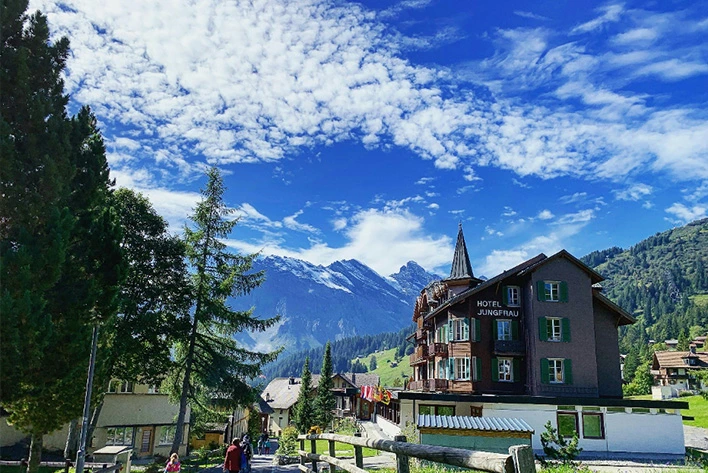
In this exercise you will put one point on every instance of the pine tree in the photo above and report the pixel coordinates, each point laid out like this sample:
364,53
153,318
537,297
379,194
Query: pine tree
59,242
683,341
304,415
324,402
373,364
208,358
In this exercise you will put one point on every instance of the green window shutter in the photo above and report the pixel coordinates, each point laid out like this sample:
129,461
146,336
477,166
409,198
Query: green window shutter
505,295
477,331
563,291
545,376
567,371
495,329
514,329
541,290
542,329
516,369
478,368
565,329
495,369
450,333
466,330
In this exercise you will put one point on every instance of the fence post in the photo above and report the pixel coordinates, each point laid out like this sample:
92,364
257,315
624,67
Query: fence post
332,453
302,448
358,453
524,461
24,466
402,462
313,447
67,464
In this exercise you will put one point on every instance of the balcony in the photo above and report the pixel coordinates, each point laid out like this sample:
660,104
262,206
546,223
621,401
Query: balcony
428,385
509,347
437,349
418,355
419,334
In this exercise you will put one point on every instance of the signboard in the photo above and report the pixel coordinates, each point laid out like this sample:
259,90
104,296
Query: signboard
495,309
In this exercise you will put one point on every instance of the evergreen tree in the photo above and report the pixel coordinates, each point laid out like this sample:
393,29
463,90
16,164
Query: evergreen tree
208,358
373,363
683,341
59,241
304,415
324,402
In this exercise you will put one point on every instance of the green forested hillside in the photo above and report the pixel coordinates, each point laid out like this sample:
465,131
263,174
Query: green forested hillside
662,281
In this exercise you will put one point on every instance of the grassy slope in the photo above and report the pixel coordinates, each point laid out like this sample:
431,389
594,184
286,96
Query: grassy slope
384,370
698,409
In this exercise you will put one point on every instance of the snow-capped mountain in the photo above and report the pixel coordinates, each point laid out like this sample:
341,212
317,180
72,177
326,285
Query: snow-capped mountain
320,303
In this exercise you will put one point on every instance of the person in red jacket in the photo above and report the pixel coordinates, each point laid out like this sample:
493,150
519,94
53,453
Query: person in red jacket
232,462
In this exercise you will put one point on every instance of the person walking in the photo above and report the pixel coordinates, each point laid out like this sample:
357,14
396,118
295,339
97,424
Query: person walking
246,453
173,464
232,460
266,445
260,445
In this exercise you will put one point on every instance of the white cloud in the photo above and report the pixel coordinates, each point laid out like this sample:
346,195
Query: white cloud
425,181
434,206
634,192
530,15
492,232
339,223
576,197
382,239
637,35
686,214
578,217
508,212
545,215
610,14
291,223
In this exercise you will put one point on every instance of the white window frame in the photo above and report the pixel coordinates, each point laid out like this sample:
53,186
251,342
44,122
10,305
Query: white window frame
506,370
556,373
462,368
153,389
120,386
119,436
441,335
503,334
513,296
167,434
554,329
460,330
431,369
552,290
442,369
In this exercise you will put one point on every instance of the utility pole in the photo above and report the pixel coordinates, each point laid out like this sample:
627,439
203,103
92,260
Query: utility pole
81,454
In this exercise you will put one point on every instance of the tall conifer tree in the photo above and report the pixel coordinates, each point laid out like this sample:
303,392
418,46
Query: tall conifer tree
304,416
325,402
209,361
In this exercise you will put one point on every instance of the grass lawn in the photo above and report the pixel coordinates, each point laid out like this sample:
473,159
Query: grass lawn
340,449
386,372
698,409
643,397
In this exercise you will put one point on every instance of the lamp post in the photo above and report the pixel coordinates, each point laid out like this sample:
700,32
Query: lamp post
81,454
230,429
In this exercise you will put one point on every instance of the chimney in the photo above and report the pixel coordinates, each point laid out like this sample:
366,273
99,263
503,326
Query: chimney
291,380
267,397
692,349
354,379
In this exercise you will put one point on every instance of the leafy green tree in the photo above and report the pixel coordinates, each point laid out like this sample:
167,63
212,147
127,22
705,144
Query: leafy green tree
373,364
304,415
641,383
61,259
557,448
324,401
287,444
683,341
209,359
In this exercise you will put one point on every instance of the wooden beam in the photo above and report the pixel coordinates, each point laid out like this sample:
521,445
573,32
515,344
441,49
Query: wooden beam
344,465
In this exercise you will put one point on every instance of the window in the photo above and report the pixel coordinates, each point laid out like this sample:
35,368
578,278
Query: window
167,434
460,329
512,296
553,327
567,423
476,368
442,369
153,389
505,372
431,337
555,370
462,368
593,426
503,329
441,334
425,409
119,386
552,290
119,436
431,370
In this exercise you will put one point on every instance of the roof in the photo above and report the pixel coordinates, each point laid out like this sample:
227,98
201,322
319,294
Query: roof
361,379
674,359
493,424
595,277
282,394
461,267
624,317
263,407
215,427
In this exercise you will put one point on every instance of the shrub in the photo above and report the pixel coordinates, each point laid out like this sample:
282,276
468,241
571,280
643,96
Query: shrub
288,441
345,426
558,449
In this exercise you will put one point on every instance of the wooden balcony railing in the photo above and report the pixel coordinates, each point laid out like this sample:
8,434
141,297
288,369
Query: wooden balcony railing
437,349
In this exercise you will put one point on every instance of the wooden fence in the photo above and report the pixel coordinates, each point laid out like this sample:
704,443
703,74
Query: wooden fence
519,460
93,466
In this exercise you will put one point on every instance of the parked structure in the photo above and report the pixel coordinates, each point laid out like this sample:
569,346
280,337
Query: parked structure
133,415
538,342
675,372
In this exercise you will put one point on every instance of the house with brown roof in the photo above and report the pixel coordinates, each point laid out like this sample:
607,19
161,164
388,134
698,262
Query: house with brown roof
282,394
674,372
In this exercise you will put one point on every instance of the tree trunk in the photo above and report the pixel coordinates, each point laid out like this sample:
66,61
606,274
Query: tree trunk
35,453
179,431
72,440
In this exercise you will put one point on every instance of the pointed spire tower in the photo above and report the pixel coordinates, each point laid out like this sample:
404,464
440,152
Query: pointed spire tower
461,273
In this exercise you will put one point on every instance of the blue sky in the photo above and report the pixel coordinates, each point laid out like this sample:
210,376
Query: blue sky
369,130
